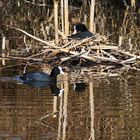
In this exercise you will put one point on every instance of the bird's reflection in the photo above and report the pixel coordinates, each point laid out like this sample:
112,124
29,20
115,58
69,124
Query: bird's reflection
80,87
53,87
36,84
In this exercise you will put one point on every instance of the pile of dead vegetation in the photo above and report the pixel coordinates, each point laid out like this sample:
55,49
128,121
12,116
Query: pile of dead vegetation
95,51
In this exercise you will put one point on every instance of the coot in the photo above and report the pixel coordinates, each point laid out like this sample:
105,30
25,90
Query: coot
80,32
41,76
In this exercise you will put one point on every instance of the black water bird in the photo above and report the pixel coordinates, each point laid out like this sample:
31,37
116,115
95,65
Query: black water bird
36,77
80,32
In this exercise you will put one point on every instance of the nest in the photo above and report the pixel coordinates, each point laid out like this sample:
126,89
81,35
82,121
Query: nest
95,51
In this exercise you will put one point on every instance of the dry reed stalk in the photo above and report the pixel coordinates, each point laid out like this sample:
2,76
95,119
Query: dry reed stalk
84,8
133,3
43,31
56,20
120,40
62,34
3,49
130,44
3,43
92,10
125,20
62,15
66,17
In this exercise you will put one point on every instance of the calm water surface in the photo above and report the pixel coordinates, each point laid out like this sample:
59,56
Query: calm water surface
101,109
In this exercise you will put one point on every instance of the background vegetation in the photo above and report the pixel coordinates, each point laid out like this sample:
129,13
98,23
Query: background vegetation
114,19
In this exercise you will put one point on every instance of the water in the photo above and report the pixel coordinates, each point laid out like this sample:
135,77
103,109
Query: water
101,109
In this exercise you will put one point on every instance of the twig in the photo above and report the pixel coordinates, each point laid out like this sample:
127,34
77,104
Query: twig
67,58
128,53
129,60
23,58
79,43
36,38
46,116
111,56
76,53
43,52
45,122
5,67
64,46
38,4
104,47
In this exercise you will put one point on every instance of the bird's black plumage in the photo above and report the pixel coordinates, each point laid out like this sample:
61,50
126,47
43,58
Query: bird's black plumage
80,32
42,76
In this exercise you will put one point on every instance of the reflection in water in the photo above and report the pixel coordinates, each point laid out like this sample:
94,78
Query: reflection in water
80,87
54,89
104,110
92,113
36,84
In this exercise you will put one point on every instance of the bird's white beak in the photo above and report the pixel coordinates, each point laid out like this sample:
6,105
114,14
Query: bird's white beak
61,71
75,31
